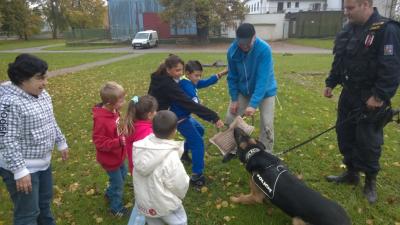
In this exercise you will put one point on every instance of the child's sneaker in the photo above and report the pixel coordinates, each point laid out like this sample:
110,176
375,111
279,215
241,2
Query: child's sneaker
198,181
121,213
186,158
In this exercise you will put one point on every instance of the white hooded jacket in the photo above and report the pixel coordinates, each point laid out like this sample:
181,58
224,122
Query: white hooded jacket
159,178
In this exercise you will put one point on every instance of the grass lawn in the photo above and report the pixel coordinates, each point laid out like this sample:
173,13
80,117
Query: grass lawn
89,47
56,60
318,43
79,184
17,44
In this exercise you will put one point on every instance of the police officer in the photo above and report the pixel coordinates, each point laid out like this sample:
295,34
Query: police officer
367,65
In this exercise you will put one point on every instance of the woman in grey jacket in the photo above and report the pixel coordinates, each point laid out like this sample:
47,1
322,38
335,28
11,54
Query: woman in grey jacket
28,132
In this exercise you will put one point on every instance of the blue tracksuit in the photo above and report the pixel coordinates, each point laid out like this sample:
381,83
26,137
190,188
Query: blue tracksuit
191,129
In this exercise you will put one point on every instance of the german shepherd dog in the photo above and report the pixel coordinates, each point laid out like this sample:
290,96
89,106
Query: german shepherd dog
271,179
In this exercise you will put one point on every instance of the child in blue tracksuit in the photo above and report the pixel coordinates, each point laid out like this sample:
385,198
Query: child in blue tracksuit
191,129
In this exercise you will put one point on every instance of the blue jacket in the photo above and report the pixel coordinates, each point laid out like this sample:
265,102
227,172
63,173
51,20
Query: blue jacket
251,74
190,90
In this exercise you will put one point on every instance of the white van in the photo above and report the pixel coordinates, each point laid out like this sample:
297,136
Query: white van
145,39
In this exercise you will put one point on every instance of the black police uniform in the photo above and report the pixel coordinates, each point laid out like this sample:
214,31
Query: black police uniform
366,63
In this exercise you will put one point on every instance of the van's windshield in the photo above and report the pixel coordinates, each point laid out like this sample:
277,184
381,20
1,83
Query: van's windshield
141,36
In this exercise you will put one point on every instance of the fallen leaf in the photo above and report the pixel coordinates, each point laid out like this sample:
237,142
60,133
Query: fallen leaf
396,164
204,189
128,205
90,192
99,220
369,222
227,218
73,187
225,204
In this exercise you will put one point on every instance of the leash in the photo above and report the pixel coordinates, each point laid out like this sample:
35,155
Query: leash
359,113
323,132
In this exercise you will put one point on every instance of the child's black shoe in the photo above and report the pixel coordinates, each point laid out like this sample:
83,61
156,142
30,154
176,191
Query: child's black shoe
186,158
198,181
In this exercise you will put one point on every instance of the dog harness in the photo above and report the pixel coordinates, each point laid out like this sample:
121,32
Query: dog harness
268,179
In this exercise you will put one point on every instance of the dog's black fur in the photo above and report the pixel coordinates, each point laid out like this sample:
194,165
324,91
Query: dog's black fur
291,195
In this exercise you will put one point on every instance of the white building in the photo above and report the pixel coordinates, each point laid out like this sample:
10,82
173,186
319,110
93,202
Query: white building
384,7
284,6
334,5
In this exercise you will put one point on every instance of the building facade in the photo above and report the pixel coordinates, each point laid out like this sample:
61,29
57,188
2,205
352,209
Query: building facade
282,6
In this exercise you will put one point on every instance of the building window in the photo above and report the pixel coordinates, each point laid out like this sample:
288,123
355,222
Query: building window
258,6
289,4
296,5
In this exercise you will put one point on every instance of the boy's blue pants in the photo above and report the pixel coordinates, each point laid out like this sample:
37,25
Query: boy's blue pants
193,132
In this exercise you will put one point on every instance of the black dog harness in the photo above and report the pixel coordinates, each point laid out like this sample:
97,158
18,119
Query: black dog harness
268,178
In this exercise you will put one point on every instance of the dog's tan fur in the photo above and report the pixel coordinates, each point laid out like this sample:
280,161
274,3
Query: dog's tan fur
256,195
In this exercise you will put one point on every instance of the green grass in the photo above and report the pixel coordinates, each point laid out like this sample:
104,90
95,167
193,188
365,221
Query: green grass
301,113
318,43
17,44
74,48
56,60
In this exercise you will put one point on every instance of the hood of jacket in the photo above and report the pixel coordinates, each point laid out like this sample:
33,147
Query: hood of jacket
12,89
151,151
5,87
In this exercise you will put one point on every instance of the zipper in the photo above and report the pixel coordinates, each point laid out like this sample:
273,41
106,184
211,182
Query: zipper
245,74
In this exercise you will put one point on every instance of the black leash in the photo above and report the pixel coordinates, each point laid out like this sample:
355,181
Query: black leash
357,114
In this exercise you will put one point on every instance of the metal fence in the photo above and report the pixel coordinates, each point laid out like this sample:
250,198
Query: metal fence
77,36
315,24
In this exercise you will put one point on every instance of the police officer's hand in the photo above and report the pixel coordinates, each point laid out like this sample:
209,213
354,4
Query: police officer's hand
328,92
374,102
64,154
249,111
233,107
24,184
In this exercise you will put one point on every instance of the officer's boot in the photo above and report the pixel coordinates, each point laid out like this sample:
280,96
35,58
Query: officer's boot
370,188
348,177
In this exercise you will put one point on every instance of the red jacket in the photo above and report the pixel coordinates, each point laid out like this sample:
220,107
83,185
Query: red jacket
142,129
110,152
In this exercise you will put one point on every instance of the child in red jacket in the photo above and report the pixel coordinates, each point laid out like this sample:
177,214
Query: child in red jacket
110,143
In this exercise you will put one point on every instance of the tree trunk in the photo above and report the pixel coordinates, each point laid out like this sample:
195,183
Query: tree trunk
54,32
202,28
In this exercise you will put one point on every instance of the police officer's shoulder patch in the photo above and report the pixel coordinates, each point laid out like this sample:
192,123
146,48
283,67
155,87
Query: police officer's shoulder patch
376,26
388,50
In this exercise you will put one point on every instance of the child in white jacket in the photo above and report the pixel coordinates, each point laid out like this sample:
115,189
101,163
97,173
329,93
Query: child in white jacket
159,178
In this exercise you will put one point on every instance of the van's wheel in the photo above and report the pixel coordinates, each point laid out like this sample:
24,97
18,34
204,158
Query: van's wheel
134,47
156,44
148,45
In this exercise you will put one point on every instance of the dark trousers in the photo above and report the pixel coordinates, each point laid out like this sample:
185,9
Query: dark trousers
32,208
359,138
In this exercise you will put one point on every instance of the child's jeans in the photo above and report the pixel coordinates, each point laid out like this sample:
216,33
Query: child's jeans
177,217
32,208
115,189
136,217
193,132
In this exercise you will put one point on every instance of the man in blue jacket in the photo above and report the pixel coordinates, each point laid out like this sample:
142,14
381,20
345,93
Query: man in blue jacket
251,81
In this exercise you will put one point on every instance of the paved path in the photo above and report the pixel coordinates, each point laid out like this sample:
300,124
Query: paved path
90,65
277,47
